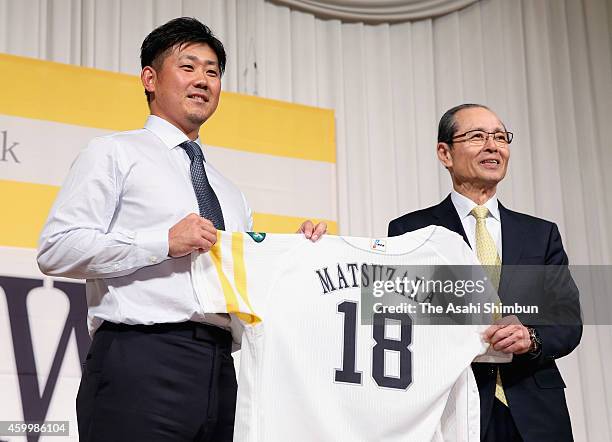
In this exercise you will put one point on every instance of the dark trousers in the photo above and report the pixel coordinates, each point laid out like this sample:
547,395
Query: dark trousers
501,426
165,382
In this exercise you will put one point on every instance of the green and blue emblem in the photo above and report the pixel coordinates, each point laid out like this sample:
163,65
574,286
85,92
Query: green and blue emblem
257,236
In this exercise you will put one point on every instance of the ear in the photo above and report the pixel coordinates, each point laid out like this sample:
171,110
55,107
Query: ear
148,77
444,154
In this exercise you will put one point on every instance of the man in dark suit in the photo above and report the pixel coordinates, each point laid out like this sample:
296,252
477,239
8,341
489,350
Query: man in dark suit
522,400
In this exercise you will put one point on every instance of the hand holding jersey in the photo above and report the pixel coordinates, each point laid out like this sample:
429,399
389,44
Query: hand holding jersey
311,231
509,336
192,233
310,369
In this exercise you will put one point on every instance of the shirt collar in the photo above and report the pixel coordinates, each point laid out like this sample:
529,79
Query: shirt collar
464,205
168,133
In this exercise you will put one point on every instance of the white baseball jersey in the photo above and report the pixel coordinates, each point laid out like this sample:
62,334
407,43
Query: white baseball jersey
311,368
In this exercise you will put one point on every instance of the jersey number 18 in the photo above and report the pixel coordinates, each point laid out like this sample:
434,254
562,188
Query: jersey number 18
349,375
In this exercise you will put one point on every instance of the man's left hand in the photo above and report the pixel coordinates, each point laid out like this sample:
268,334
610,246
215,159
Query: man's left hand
509,336
311,231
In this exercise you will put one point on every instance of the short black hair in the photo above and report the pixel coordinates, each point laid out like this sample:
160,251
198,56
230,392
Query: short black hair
448,124
178,32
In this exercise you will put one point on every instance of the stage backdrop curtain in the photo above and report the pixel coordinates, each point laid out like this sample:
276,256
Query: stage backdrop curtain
390,11
544,66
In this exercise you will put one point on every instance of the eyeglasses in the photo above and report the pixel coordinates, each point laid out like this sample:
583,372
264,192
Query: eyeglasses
480,137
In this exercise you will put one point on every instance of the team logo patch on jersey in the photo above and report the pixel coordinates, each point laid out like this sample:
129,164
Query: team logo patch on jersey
257,236
379,245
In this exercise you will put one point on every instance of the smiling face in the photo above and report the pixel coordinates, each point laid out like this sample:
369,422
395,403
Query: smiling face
475,168
185,89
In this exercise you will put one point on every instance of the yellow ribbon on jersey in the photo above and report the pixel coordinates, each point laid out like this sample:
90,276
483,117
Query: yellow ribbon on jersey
240,279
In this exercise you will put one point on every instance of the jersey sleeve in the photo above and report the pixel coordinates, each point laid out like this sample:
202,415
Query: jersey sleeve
235,276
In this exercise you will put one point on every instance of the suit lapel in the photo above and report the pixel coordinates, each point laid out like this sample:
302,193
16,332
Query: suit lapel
447,216
512,246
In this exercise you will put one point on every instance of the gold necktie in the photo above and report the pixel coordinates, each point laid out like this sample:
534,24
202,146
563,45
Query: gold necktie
488,257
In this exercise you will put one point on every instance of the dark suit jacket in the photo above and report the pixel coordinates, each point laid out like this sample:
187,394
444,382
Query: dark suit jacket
533,386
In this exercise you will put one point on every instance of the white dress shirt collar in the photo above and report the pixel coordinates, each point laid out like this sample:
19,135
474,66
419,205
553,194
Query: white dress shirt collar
168,133
464,205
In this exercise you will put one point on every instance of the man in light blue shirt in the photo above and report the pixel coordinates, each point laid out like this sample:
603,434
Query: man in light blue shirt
127,219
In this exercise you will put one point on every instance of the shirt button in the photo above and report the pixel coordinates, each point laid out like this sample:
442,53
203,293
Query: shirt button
153,259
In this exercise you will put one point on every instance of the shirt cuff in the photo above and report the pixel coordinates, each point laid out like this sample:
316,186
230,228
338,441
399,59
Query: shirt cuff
155,244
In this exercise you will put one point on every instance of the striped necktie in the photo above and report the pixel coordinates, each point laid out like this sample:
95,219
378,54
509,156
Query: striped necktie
488,257
207,199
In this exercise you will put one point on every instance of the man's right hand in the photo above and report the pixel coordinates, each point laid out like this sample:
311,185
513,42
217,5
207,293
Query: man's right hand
191,233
